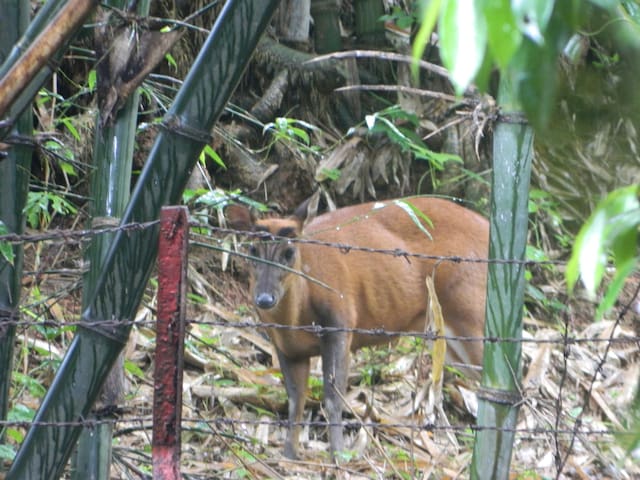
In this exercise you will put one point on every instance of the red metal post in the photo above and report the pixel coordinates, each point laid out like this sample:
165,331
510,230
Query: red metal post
167,392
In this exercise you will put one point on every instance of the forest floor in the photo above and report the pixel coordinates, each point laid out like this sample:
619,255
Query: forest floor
579,378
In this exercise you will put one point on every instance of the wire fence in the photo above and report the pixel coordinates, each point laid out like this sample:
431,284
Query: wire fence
570,411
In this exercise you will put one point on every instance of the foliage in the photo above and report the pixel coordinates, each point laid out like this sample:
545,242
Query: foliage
416,215
41,206
209,152
543,208
205,203
400,18
631,437
400,127
529,35
6,250
292,131
397,125
610,232
7,452
543,212
64,155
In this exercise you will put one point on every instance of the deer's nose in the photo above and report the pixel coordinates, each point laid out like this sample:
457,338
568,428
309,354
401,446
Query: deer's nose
265,300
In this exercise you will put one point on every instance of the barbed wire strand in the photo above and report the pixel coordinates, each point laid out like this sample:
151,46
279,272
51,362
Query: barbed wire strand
68,235
321,330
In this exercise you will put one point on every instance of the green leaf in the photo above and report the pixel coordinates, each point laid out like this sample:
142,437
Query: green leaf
34,386
606,4
92,79
189,194
532,17
6,249
632,9
380,122
428,17
66,121
213,198
587,260
68,168
611,227
38,204
171,61
292,130
416,215
208,151
7,452
134,369
615,287
537,79
61,205
21,413
503,33
536,254
329,173
463,40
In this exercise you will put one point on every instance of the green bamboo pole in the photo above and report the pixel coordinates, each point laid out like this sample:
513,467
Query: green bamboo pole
369,29
129,262
113,149
30,65
499,393
14,184
326,19
29,34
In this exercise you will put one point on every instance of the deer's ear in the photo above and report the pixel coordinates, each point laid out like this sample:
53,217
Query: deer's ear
308,209
239,217
301,211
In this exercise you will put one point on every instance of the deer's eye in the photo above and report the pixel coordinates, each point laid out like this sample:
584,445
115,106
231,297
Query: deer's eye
288,254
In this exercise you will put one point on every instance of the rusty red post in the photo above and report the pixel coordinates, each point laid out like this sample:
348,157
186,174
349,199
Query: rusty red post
167,392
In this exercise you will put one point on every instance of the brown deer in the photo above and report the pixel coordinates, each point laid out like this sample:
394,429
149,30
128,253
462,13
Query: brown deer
348,288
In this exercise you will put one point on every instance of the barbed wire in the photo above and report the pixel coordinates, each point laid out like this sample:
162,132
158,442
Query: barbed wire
320,330
67,235
346,248
75,235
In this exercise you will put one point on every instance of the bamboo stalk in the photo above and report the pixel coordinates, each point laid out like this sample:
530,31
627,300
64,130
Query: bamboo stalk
14,183
499,393
128,265
51,40
113,149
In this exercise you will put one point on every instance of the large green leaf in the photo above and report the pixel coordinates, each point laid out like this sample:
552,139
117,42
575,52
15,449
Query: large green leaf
503,33
537,65
612,228
537,80
463,39
605,3
429,10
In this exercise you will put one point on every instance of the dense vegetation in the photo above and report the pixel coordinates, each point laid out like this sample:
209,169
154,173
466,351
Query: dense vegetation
343,129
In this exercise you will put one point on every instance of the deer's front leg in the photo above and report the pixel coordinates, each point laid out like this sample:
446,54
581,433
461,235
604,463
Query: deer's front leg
335,369
296,374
